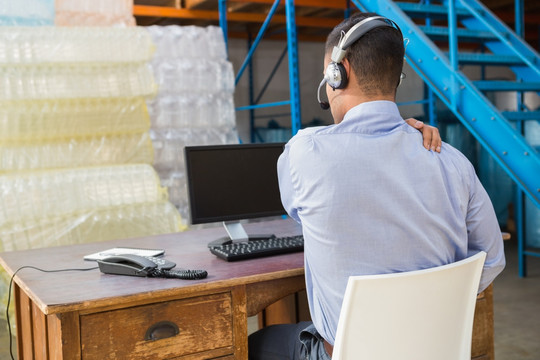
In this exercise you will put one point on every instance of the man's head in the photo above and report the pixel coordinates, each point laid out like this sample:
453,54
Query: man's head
373,64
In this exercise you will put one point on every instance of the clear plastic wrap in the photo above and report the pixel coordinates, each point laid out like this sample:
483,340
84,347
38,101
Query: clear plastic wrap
192,111
169,144
56,193
26,12
194,104
76,81
112,7
94,13
92,225
76,152
32,45
185,42
176,182
185,76
74,19
61,118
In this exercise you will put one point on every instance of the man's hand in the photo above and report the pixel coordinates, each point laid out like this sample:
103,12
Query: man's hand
432,138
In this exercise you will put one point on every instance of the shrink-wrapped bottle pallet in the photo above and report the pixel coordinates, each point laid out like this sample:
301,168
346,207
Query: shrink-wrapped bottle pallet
38,194
95,80
21,45
71,152
74,133
194,104
74,97
61,118
99,224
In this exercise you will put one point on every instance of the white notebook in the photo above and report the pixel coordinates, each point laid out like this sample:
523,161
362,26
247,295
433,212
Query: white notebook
124,250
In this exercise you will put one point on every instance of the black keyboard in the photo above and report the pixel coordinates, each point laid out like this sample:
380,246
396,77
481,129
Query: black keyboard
259,248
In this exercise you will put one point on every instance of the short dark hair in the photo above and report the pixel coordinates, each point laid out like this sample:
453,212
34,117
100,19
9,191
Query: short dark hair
376,58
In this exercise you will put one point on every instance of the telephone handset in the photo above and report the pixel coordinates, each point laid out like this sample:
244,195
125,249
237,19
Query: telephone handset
146,266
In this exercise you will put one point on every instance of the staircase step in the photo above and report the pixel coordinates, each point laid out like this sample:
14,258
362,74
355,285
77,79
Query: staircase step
498,85
521,115
441,33
488,59
423,10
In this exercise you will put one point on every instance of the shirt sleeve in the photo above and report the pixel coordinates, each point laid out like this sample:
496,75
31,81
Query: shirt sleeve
286,187
484,233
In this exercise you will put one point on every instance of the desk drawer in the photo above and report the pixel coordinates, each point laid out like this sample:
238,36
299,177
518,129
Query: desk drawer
180,327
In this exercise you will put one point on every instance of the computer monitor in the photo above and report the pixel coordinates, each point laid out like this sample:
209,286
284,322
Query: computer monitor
229,183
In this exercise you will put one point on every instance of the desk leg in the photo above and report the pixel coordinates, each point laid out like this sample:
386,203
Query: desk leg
41,336
23,311
280,312
64,336
240,329
289,310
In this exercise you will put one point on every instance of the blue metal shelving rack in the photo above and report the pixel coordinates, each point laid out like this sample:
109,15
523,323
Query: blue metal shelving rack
292,50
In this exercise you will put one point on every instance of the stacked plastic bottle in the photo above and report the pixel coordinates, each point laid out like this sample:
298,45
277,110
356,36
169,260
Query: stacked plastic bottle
58,83
75,147
194,104
76,205
94,13
26,12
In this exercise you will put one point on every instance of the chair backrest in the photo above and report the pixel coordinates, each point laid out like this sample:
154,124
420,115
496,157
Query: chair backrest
417,315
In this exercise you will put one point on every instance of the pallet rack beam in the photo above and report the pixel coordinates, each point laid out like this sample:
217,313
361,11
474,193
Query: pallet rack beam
242,17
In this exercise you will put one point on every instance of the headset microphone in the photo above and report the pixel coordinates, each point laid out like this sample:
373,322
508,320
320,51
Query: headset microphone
324,104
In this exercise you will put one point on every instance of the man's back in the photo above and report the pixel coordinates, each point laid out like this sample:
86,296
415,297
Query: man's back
372,200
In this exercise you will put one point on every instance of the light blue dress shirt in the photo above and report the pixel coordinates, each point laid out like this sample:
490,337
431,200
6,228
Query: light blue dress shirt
371,200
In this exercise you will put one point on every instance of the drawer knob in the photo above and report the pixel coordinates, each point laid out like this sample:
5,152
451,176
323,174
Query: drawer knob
161,330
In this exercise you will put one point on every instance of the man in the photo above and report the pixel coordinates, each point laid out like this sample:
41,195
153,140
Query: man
369,197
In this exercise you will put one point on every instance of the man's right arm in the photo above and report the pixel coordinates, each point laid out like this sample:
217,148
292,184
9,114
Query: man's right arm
484,233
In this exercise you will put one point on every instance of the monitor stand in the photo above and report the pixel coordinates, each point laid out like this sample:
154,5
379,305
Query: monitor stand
237,233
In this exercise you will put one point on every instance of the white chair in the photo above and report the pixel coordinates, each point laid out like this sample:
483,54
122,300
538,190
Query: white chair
417,315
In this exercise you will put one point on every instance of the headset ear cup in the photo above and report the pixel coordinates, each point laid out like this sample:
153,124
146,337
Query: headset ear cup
343,75
336,76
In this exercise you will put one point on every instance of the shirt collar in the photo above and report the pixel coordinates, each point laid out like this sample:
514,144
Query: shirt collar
374,116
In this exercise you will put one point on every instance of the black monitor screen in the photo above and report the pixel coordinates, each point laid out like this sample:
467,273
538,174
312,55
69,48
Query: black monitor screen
233,182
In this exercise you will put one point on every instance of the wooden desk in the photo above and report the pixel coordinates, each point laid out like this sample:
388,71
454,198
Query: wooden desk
90,315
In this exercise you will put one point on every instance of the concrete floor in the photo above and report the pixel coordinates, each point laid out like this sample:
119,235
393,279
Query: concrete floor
516,308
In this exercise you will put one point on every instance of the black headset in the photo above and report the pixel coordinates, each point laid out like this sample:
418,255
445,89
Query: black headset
335,74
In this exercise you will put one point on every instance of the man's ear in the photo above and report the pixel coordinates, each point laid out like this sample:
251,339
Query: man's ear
347,66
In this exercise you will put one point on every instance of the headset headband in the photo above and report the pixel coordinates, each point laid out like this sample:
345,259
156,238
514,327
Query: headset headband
339,51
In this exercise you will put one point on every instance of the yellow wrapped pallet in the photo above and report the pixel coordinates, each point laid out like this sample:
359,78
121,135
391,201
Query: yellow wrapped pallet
91,226
76,152
47,44
63,192
96,80
61,118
